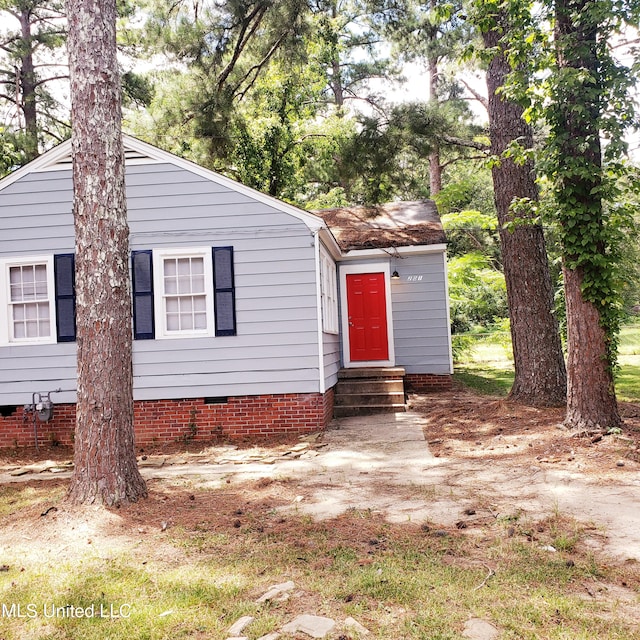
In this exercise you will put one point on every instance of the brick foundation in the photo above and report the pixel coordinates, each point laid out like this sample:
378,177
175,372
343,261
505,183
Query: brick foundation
159,421
427,382
329,401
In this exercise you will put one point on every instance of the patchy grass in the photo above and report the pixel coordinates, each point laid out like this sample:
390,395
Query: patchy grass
225,547
15,497
484,379
628,380
488,367
630,340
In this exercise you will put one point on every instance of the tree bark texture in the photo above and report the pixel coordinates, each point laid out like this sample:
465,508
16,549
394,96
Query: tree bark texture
540,374
435,167
28,87
106,471
591,400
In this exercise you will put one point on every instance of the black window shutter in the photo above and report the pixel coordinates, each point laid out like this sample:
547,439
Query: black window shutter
65,282
142,281
224,291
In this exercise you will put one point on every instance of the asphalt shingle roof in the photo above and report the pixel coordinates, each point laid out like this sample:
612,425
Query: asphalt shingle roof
397,224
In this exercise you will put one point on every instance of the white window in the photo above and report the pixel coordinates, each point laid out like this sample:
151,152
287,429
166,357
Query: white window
329,291
184,292
28,299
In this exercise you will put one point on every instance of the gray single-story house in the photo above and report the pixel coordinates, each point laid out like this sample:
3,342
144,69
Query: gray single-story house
246,309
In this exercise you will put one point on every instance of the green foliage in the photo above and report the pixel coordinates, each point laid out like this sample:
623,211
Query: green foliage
626,214
269,129
325,180
32,60
375,165
477,292
137,89
461,347
477,288
386,156
467,186
628,374
468,216
469,219
422,31
8,156
257,89
346,44
270,94
585,84
574,77
472,231
457,196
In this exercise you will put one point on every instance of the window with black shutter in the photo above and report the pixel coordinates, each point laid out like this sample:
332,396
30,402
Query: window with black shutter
224,291
64,273
142,282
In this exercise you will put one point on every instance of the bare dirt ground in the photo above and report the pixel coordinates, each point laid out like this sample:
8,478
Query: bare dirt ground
513,458
456,460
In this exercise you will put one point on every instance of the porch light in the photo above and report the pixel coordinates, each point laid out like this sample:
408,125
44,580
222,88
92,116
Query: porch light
395,275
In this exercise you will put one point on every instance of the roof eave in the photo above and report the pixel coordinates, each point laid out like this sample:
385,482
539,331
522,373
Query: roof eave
422,249
49,157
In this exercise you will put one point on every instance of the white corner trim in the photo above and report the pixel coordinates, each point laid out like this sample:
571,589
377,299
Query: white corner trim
448,305
320,338
330,243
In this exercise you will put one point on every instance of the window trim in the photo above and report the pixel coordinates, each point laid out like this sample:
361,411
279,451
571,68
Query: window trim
6,320
329,293
160,313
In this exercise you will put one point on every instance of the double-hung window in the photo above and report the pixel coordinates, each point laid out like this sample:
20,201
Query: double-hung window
329,292
177,293
183,284
28,292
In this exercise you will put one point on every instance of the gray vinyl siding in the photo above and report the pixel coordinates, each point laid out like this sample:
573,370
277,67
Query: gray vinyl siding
331,346
420,315
37,368
276,347
35,214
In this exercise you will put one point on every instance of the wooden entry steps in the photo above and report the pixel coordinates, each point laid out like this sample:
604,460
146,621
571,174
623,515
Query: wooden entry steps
369,390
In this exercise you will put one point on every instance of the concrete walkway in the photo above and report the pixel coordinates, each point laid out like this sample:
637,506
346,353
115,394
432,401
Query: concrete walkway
383,464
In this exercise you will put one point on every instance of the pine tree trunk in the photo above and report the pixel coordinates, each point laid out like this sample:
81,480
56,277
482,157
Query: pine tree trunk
540,374
28,88
336,84
435,173
105,464
435,168
591,400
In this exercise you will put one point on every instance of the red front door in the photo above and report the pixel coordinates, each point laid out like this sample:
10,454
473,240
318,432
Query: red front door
367,310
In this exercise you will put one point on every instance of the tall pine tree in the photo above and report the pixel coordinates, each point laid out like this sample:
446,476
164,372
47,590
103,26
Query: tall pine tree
105,468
